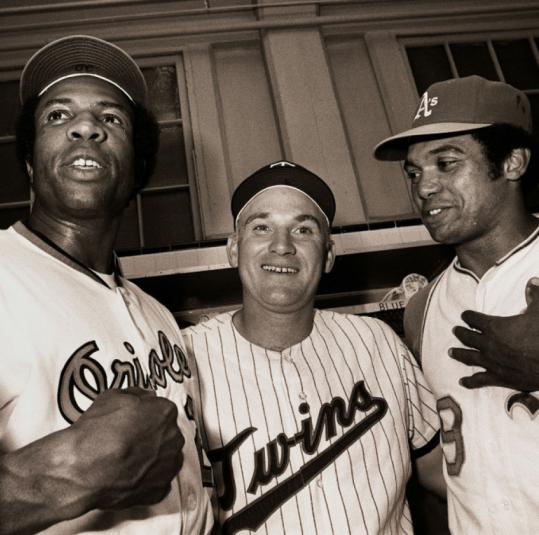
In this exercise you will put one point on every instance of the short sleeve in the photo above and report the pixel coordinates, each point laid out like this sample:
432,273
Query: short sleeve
423,421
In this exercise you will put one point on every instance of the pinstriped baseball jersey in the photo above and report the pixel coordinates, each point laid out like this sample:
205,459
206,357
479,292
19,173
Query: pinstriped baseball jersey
66,336
489,435
315,438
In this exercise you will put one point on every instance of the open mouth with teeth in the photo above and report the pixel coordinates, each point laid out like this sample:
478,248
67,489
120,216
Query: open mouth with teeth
279,269
85,163
435,211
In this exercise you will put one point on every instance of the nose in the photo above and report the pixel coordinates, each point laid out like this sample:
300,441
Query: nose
282,243
86,127
428,184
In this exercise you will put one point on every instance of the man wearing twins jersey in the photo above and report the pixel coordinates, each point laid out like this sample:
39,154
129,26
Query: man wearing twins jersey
97,433
467,156
308,416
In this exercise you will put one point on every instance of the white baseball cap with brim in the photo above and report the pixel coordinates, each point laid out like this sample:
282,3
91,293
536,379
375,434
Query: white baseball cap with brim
82,55
459,105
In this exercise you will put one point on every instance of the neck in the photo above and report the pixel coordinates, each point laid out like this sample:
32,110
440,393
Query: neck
88,241
480,255
273,330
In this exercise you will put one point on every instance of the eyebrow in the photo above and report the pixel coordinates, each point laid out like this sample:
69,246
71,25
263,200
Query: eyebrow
438,150
300,218
99,103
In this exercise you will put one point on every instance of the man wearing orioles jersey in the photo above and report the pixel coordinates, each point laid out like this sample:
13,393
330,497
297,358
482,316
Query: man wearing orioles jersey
96,426
308,416
474,328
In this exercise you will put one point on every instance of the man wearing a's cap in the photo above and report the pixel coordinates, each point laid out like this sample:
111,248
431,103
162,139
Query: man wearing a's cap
308,416
82,452
468,156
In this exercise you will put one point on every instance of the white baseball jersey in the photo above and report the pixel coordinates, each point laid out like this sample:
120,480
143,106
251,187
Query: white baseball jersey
67,336
314,439
490,435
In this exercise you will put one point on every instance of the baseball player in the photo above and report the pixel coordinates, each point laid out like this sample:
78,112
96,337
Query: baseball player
467,155
308,416
96,424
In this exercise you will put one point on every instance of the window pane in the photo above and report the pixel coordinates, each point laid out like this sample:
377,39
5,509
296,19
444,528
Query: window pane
171,168
8,216
518,63
14,185
163,92
128,235
429,64
473,58
9,104
167,218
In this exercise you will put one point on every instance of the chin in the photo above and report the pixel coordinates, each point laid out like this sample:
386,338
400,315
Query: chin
286,304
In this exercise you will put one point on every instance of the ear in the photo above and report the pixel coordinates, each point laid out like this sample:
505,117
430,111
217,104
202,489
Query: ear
516,163
330,256
30,171
232,250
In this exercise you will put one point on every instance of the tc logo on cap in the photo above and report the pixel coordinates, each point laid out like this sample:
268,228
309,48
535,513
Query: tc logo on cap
425,106
282,163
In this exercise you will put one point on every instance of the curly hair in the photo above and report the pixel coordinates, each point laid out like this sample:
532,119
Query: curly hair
145,140
498,141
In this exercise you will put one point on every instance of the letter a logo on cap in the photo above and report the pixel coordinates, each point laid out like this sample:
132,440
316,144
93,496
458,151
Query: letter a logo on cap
425,106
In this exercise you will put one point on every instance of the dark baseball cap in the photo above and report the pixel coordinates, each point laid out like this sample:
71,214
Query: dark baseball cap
459,105
82,55
284,174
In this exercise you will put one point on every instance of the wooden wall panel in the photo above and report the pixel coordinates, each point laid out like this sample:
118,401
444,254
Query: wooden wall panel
247,111
309,115
383,186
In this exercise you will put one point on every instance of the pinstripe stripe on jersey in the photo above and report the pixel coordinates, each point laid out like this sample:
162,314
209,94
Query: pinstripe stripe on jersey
315,351
406,422
273,382
341,326
331,332
303,460
251,423
334,466
313,376
337,354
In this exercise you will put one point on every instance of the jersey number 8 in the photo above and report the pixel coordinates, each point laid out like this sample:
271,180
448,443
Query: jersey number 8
451,433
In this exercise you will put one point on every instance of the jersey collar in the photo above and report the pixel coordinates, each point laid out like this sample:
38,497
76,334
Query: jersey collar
49,247
524,243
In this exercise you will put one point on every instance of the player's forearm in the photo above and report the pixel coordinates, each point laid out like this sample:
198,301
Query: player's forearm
430,472
37,486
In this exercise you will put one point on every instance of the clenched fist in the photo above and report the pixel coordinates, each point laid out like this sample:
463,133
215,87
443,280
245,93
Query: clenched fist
127,448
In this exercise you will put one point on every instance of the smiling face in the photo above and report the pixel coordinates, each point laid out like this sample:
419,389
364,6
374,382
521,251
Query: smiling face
83,153
459,201
281,247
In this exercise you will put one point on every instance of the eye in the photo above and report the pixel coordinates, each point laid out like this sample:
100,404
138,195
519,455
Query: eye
412,174
57,115
304,230
112,118
446,164
261,228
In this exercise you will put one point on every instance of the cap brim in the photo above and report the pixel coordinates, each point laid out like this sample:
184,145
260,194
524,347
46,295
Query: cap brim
82,55
395,147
